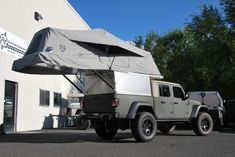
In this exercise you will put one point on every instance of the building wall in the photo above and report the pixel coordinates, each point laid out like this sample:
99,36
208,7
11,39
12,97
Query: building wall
17,17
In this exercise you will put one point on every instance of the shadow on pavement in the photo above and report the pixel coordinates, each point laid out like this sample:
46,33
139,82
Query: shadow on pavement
228,130
68,136
63,137
178,133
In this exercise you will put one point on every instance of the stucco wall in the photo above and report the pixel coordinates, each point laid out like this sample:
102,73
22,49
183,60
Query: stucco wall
17,17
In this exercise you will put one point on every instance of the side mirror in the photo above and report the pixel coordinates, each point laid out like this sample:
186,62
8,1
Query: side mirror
186,96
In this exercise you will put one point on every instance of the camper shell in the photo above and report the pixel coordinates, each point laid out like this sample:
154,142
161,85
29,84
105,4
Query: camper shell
124,87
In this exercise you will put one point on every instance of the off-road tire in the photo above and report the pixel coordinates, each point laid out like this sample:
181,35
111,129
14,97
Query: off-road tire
104,130
203,124
166,129
144,127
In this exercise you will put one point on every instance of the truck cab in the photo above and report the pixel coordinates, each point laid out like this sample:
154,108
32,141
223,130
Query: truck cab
170,101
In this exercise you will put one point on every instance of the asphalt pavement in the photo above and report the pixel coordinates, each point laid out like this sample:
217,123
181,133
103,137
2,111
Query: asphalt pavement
77,143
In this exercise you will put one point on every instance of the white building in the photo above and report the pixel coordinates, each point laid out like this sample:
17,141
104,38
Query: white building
27,102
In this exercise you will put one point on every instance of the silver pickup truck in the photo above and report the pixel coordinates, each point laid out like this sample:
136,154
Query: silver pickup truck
115,100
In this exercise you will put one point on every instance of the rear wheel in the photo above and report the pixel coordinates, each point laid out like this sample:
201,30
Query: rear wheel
144,127
105,130
83,123
203,124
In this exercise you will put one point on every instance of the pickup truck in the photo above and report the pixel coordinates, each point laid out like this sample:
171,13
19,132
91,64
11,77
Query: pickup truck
215,104
115,100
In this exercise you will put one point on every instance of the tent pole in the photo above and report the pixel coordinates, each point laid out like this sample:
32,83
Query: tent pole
73,83
79,80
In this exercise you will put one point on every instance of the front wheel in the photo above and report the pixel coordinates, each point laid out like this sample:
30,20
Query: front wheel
105,130
144,127
203,124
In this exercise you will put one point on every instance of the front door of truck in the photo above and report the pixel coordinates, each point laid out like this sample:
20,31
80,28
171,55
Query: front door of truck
181,106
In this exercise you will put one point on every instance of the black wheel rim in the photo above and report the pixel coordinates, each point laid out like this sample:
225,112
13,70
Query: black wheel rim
205,124
147,127
83,123
108,131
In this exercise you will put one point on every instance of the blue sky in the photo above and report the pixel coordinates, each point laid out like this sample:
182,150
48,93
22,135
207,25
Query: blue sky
130,18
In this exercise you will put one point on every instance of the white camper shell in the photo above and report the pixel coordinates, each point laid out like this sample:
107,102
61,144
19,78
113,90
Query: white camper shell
118,82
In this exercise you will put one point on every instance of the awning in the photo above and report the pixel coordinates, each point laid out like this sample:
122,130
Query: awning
56,51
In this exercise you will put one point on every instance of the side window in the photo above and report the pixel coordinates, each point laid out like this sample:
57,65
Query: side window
164,90
57,99
178,93
44,97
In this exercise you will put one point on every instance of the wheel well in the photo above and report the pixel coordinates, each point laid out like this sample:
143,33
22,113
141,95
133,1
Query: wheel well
203,109
145,109
197,109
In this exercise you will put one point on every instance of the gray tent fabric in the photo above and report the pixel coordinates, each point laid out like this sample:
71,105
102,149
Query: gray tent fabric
57,51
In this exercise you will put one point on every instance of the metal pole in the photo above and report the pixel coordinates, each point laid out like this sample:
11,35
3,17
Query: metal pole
72,83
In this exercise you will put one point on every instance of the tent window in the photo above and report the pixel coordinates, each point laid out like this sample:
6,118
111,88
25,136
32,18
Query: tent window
112,50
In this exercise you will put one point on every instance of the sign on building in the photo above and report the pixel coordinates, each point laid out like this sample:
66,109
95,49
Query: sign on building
11,44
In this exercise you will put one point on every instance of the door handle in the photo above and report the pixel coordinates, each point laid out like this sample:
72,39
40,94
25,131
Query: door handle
176,103
163,102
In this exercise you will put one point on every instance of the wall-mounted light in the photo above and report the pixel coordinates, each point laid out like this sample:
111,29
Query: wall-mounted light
37,16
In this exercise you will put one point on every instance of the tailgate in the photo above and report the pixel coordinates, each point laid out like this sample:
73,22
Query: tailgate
98,103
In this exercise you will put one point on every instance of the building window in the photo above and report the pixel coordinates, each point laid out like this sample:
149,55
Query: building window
44,97
57,99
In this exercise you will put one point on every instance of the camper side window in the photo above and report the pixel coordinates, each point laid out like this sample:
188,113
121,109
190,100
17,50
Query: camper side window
164,90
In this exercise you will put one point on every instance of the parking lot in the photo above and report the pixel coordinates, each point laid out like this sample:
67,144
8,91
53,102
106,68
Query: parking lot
71,143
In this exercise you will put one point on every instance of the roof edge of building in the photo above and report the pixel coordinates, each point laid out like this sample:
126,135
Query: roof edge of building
88,27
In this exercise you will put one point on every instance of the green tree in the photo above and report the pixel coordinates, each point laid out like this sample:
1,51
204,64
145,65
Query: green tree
229,10
150,41
171,53
228,7
212,52
200,56
139,41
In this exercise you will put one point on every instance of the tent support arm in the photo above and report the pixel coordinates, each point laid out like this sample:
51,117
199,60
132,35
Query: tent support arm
79,80
73,83
103,79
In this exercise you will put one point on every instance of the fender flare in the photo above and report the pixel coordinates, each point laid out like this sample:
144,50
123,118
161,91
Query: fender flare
134,107
196,109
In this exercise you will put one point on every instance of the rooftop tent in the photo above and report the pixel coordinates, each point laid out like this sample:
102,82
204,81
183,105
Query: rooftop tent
57,51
